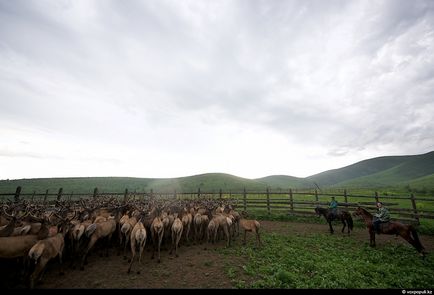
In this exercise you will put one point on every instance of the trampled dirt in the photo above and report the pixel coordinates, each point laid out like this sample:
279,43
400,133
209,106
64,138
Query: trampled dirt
194,268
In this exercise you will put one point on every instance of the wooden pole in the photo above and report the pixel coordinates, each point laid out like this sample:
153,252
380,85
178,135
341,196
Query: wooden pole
95,193
413,203
268,201
316,195
346,198
59,194
46,196
220,194
291,200
376,197
17,194
245,199
125,195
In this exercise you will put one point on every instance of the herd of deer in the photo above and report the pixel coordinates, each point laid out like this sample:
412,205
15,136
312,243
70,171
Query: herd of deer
34,233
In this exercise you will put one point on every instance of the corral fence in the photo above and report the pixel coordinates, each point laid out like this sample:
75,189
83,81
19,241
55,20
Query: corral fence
408,209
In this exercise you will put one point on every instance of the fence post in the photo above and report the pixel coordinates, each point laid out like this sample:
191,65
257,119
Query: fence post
245,199
316,195
95,193
376,197
220,194
125,195
17,194
346,198
198,193
291,201
413,203
46,196
268,201
59,194
33,195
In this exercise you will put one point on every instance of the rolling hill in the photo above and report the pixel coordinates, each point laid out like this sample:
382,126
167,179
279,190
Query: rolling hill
379,172
210,182
415,171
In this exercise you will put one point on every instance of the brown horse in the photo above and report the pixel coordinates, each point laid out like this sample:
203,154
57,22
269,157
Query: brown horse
406,231
342,215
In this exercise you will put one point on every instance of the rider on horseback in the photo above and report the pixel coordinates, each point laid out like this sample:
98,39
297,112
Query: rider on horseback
333,206
382,216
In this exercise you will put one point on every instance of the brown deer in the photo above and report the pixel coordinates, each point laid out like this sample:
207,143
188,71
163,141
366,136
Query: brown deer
137,239
250,226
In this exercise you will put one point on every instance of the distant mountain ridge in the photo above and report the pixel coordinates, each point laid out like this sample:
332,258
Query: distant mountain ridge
411,170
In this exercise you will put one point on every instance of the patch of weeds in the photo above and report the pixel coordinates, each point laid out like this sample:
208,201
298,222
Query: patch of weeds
317,261
231,272
240,284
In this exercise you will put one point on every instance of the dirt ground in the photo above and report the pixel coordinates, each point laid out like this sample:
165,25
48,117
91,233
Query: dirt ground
194,268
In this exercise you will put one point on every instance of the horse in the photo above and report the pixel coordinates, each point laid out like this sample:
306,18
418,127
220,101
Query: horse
341,215
406,231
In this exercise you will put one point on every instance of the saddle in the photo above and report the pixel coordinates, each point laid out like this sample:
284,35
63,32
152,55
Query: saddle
383,226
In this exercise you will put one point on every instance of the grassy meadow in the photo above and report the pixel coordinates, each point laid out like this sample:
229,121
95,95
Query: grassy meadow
317,261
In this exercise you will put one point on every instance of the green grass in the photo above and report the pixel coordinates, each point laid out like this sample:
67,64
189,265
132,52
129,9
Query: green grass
318,261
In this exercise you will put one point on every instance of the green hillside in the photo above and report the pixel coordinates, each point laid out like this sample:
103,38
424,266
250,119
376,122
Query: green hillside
402,174
206,182
377,172
285,182
426,182
415,172
359,169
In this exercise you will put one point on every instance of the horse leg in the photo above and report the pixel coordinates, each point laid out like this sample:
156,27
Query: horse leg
372,238
345,224
330,225
408,238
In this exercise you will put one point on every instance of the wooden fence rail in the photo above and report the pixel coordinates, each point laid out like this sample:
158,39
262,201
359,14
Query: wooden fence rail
292,202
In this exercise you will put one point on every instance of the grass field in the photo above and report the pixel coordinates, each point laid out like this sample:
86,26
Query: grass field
318,261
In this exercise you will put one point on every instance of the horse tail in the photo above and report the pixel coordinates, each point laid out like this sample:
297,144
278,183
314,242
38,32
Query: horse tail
415,235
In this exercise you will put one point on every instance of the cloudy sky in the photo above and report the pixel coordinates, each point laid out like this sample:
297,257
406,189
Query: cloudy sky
158,88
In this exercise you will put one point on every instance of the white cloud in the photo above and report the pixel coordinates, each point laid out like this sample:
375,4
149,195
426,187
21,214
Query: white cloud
174,88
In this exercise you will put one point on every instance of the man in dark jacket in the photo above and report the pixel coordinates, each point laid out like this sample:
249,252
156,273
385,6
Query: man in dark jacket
381,216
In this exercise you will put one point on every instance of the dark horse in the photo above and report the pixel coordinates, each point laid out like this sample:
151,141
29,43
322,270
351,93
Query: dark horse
341,215
407,231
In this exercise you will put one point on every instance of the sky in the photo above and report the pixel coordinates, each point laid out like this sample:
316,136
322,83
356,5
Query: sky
252,88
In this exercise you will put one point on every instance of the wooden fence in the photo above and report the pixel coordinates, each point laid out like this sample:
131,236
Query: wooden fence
404,208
